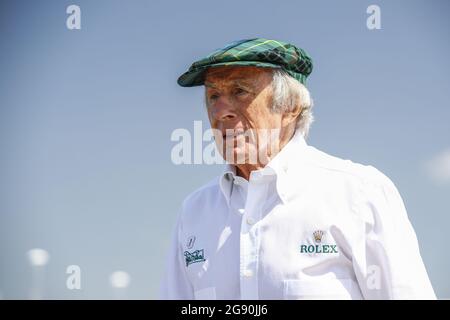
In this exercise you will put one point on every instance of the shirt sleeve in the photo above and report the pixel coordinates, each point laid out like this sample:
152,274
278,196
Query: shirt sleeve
175,284
387,260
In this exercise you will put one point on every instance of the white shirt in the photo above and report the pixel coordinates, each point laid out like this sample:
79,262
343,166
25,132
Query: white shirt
307,226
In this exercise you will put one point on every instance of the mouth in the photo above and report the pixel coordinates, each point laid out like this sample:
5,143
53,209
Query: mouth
232,134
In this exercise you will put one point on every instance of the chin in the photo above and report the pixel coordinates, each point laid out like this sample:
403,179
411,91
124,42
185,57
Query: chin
237,154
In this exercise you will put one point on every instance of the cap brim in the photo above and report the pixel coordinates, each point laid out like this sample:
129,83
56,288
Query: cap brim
196,77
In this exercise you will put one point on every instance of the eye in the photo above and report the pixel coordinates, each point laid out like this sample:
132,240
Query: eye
240,91
213,96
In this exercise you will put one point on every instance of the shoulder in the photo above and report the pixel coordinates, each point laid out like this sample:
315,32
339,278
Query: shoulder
345,169
371,190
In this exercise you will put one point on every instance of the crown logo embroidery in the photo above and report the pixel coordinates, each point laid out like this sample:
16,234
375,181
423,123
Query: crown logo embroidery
318,234
319,247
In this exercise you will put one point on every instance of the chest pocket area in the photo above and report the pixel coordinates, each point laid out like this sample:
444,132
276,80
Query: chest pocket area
320,289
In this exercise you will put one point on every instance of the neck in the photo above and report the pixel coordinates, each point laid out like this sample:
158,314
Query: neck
244,170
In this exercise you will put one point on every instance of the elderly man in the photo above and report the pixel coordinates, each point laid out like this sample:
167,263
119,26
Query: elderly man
294,223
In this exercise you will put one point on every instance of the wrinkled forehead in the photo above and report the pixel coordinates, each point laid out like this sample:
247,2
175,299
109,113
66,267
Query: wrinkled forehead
245,75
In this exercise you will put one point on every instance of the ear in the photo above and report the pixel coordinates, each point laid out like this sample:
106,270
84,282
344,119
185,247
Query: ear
290,117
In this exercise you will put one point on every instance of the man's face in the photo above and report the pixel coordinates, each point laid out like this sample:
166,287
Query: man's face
239,102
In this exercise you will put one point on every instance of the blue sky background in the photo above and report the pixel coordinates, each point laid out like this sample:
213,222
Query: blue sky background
86,117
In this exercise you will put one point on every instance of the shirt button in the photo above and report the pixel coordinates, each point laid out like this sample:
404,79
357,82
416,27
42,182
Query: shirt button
247,273
241,211
250,221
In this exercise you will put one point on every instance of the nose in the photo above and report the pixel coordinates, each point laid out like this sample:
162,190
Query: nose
222,110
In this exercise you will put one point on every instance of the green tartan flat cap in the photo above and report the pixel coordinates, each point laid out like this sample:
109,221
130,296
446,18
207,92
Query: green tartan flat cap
257,52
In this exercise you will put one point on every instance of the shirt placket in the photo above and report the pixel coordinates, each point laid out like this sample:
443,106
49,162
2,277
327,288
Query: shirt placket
250,240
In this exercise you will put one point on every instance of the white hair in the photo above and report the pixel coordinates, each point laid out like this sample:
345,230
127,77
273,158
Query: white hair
289,93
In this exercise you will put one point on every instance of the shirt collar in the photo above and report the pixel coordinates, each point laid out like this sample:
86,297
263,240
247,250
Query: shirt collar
226,181
279,165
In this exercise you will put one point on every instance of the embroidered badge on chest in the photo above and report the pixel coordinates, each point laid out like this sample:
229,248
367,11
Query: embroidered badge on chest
318,247
193,257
